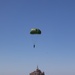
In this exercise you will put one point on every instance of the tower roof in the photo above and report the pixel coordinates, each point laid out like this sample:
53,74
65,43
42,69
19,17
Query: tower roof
38,70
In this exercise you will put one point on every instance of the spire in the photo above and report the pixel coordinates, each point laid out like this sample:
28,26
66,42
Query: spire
37,66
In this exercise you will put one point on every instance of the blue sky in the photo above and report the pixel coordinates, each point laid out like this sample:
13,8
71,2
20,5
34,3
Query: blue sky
55,47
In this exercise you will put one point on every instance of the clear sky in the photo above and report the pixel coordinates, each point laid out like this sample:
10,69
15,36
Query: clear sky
55,47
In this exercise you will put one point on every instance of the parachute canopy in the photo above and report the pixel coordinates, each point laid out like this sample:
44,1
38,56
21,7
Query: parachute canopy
35,31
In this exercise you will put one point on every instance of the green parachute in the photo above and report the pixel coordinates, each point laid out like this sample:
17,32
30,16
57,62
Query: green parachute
35,31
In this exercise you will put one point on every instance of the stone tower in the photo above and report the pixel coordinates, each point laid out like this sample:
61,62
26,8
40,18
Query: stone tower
37,72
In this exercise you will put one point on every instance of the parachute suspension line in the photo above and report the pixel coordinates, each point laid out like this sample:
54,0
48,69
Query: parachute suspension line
34,42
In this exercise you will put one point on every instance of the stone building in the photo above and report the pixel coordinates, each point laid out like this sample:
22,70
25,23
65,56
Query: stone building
37,72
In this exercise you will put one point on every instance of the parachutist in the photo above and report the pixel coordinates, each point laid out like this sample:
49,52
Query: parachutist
35,31
34,46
